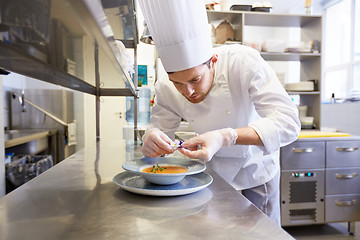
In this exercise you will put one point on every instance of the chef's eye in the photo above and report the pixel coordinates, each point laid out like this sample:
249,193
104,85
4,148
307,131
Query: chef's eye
196,80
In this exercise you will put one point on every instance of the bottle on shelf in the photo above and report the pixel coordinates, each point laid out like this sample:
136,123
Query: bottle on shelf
332,99
308,8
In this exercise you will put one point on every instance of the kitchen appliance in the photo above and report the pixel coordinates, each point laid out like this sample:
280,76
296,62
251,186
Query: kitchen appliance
320,179
57,102
302,183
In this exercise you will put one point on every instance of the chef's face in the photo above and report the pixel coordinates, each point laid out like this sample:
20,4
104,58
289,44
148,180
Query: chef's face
195,83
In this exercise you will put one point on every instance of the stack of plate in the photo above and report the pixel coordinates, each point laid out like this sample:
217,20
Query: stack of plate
300,86
354,93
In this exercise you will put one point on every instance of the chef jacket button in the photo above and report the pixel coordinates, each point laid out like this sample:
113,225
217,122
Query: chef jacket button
228,112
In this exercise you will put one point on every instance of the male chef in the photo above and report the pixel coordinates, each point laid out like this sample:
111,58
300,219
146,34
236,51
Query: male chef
230,96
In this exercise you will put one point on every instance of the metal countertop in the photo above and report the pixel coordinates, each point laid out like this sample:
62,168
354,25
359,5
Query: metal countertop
76,199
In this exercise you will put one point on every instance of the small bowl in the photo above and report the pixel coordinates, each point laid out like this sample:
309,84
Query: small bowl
137,165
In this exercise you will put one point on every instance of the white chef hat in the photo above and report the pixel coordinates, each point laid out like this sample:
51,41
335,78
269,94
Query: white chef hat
180,31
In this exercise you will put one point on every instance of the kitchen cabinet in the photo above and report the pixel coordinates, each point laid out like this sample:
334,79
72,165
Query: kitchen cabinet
310,28
320,181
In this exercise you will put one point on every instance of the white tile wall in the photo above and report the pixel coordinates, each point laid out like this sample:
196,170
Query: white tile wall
344,117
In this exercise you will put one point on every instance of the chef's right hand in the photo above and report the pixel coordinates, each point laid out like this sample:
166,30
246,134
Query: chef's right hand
156,143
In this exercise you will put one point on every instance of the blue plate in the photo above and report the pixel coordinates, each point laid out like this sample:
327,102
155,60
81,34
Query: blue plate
135,183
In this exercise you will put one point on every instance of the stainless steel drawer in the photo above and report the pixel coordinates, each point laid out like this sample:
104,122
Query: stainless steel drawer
303,155
342,181
342,208
343,154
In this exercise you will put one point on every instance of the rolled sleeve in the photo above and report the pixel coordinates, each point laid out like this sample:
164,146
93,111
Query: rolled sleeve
278,124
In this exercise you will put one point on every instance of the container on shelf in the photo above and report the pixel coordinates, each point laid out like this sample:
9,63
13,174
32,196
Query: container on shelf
143,107
237,7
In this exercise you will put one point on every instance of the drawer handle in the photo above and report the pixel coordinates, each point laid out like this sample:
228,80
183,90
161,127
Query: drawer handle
346,203
346,149
346,176
303,150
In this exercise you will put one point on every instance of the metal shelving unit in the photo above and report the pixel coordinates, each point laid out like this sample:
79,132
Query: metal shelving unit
91,16
262,18
80,17
288,56
310,29
16,60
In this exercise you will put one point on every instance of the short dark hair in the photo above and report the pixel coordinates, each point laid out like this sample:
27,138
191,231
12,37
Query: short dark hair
207,63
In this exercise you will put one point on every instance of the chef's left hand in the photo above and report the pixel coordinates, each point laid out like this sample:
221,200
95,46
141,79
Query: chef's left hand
204,146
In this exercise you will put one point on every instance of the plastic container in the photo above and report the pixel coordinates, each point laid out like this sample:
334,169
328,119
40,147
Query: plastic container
261,9
241,7
143,105
307,122
302,111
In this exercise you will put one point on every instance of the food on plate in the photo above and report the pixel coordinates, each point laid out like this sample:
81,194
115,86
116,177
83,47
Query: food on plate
164,169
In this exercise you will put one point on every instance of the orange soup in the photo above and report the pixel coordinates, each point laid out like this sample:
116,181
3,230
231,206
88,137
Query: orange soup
164,169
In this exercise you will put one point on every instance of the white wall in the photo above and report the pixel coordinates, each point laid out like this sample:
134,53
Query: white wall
344,117
88,104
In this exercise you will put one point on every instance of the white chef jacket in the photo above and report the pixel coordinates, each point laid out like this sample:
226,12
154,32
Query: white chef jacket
245,92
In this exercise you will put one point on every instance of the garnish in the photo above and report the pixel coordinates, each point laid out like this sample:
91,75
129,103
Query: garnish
157,168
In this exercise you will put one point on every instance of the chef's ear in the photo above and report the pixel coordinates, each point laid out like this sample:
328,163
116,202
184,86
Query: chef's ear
214,59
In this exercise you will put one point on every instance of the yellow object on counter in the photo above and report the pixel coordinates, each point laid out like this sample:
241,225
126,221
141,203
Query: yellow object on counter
316,134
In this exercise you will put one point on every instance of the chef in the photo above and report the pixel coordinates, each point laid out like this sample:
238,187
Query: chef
230,96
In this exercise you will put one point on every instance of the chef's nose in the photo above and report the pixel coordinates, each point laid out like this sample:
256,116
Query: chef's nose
189,90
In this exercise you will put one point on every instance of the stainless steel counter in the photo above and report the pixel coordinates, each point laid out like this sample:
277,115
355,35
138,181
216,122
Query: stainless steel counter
76,199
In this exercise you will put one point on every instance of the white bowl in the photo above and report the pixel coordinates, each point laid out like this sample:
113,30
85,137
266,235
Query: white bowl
137,165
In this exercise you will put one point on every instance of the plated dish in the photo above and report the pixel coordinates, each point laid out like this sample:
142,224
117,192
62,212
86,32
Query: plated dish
135,183
155,170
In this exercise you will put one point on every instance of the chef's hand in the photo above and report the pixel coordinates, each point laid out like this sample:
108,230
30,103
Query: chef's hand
156,143
206,145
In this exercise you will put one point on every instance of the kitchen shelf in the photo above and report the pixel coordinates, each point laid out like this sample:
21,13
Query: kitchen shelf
261,18
47,40
279,20
279,26
288,56
89,18
303,93
16,60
